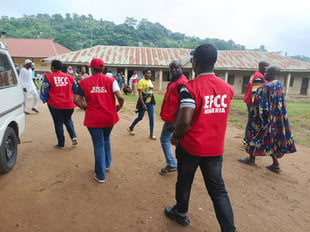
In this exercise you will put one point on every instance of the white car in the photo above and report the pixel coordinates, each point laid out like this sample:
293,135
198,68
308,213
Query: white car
12,116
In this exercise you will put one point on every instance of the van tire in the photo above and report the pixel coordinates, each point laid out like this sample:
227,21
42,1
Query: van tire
8,150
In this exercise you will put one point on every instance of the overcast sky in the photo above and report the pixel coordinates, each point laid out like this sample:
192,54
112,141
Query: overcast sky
279,25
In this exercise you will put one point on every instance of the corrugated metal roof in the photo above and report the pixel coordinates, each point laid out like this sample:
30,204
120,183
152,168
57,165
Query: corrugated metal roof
249,60
34,48
161,57
127,56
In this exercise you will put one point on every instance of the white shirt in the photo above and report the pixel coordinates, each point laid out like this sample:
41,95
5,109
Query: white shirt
25,77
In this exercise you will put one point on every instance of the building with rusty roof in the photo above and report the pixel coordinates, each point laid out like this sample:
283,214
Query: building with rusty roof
235,67
35,50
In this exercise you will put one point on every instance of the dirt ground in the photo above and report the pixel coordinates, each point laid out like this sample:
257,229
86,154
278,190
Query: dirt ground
54,190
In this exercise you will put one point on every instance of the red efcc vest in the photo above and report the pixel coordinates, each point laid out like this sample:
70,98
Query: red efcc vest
171,102
248,92
101,108
206,134
134,78
60,93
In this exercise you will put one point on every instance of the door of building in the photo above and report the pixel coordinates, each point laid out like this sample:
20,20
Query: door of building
304,86
245,82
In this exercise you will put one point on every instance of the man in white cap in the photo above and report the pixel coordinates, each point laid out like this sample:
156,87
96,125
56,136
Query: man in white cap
29,88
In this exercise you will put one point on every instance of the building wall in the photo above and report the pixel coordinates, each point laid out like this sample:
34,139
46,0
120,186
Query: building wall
293,90
235,79
39,66
297,82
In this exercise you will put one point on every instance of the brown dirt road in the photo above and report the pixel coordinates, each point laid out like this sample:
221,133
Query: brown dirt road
54,190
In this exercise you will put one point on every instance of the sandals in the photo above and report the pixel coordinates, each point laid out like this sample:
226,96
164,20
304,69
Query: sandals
246,160
273,168
167,169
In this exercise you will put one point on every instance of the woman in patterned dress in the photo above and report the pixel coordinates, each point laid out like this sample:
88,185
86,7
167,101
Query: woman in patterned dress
269,131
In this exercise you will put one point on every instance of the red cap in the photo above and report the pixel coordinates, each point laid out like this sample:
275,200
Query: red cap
96,63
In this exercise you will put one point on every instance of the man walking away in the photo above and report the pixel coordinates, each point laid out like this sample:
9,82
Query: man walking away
199,135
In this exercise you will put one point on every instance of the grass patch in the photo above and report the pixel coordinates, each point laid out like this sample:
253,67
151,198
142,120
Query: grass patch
298,114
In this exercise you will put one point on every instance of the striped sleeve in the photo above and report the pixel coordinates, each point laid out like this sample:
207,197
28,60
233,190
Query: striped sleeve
186,99
255,85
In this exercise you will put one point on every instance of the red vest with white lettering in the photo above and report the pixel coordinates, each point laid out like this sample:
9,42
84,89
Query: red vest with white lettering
171,102
60,93
206,134
248,92
134,78
101,108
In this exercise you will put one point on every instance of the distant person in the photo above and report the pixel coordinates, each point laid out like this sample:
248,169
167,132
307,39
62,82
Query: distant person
146,102
81,75
123,78
96,95
169,110
34,76
17,69
109,73
268,130
119,80
255,81
57,91
199,136
70,71
134,81
29,88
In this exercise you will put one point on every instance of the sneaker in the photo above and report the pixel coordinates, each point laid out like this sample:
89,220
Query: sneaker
131,132
171,213
74,141
35,110
153,137
58,146
27,113
98,180
167,169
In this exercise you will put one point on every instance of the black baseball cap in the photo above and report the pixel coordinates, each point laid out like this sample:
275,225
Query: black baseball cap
205,53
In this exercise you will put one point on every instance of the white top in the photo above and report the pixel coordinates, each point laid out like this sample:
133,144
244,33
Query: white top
115,86
25,77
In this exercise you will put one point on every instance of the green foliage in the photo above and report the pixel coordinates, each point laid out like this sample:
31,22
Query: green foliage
302,58
79,31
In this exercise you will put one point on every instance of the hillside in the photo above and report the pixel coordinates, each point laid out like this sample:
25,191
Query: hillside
77,32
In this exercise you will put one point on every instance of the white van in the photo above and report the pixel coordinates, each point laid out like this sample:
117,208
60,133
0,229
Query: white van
12,117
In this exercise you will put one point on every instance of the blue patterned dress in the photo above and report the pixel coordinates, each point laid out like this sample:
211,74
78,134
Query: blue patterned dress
268,130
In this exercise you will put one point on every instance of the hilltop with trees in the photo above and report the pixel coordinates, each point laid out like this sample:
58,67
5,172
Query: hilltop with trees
79,31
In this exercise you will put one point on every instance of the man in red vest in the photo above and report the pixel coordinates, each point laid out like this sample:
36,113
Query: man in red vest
169,110
57,90
199,137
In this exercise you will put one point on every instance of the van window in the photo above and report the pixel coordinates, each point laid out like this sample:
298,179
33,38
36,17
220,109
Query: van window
7,75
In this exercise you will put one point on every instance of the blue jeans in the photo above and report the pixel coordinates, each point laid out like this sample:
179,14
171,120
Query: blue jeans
60,117
165,140
102,150
211,168
150,111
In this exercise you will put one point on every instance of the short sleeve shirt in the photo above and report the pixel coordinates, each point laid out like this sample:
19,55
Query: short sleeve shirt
147,87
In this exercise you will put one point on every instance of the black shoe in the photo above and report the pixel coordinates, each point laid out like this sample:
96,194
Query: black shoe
171,213
35,110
